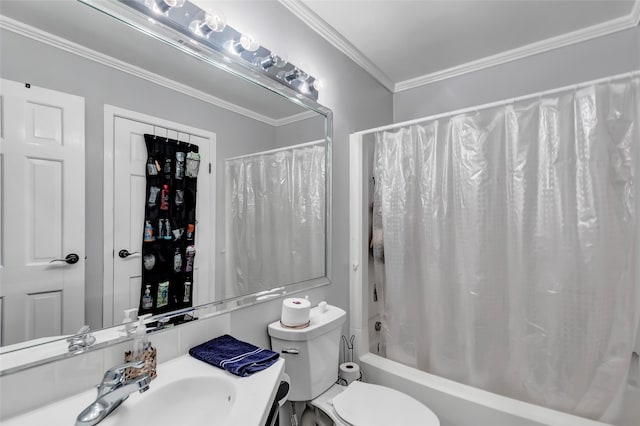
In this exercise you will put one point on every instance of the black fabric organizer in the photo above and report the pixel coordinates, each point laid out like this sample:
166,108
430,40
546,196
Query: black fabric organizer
168,248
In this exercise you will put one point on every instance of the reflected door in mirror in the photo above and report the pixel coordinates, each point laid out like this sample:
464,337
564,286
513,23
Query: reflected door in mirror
42,183
130,162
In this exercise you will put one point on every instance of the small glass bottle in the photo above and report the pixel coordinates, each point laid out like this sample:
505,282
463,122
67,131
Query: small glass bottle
167,167
151,167
187,292
189,255
177,261
147,300
164,197
180,165
148,232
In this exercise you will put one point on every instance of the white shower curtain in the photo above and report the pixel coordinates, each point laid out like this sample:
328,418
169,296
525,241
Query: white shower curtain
275,218
509,237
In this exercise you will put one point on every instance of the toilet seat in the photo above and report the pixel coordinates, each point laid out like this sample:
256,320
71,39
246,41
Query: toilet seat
374,405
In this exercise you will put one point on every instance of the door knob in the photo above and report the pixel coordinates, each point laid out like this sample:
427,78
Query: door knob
70,259
124,253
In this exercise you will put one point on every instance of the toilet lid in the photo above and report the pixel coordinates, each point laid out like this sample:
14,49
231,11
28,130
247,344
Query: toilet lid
374,405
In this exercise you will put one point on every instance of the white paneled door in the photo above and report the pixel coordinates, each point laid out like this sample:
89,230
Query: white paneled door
129,198
41,213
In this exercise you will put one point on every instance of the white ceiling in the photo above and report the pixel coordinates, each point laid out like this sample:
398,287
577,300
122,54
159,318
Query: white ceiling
408,43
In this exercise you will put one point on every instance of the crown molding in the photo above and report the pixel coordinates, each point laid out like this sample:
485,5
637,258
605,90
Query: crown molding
599,30
317,24
294,118
36,34
320,26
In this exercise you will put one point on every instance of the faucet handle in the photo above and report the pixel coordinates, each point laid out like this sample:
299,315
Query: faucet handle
114,375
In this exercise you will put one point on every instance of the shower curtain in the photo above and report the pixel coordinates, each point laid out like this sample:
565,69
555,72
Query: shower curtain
509,241
275,218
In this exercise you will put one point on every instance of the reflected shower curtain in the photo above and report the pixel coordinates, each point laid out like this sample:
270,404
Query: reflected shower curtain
275,218
509,243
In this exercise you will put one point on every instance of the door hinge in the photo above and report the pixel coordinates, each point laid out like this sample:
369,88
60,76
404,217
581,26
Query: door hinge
209,168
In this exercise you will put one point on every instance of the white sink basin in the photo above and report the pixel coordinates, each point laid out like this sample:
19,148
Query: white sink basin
194,400
186,392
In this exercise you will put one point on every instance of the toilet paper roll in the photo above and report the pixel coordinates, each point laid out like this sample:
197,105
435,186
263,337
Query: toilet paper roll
295,312
349,372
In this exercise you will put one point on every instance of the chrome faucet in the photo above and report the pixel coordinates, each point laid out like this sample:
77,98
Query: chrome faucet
112,392
81,340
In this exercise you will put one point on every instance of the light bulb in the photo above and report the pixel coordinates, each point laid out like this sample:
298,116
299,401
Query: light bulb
318,84
248,43
215,20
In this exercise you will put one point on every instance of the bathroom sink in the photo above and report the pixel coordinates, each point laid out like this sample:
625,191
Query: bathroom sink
186,392
192,400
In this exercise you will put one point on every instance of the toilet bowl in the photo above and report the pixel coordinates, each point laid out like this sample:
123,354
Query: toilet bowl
311,360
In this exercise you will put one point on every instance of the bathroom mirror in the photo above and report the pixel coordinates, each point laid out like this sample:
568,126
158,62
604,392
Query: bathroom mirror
270,145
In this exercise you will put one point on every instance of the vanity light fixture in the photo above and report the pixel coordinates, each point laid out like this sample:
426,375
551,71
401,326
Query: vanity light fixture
186,24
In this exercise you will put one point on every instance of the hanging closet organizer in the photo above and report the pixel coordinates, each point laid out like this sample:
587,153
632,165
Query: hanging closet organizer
168,248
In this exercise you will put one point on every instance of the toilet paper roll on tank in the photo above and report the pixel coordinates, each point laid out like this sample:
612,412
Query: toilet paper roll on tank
295,312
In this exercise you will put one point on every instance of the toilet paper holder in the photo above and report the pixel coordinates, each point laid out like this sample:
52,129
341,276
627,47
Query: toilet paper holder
347,346
347,349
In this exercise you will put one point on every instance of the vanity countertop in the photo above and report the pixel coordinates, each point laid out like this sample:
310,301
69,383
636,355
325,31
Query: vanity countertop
252,395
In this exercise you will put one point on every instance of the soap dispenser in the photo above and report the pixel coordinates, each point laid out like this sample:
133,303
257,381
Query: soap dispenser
128,327
142,351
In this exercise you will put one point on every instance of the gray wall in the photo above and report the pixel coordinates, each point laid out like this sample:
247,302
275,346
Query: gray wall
26,60
601,57
358,102
309,130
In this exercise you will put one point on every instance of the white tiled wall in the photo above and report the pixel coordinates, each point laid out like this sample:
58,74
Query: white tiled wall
34,387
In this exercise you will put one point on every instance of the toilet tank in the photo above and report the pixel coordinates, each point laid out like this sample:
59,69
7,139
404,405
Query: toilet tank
311,353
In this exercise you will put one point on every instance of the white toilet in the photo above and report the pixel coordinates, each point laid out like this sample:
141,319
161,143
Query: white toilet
311,361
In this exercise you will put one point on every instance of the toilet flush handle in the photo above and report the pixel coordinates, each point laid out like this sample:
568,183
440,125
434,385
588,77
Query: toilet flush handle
292,351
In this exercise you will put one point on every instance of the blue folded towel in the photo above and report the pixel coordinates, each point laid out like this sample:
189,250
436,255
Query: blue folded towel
237,357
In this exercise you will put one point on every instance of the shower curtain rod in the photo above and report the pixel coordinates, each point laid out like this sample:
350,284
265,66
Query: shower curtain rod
271,151
499,103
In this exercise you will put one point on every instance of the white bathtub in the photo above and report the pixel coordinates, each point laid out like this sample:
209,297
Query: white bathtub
460,405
